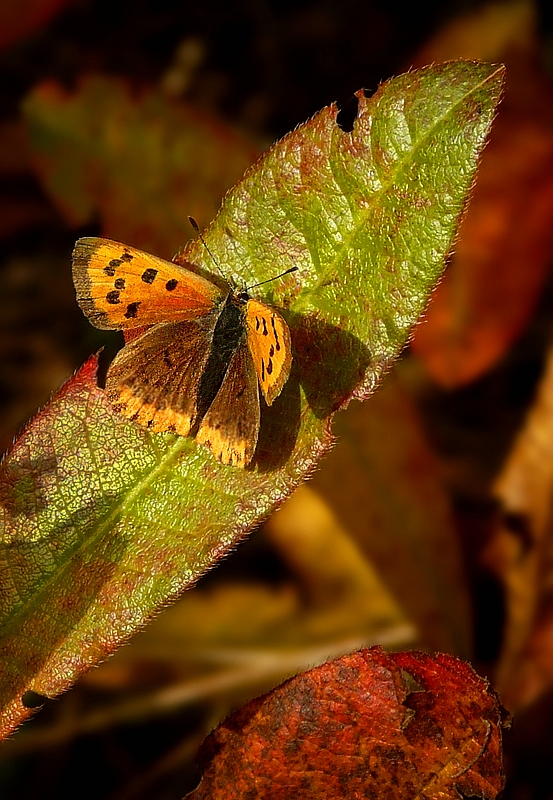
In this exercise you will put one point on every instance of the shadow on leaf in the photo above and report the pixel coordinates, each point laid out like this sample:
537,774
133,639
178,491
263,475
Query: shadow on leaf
329,364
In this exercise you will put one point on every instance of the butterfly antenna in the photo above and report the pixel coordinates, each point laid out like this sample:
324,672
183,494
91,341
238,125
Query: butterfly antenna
282,274
194,224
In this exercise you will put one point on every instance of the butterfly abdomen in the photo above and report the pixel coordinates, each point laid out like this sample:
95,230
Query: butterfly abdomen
228,334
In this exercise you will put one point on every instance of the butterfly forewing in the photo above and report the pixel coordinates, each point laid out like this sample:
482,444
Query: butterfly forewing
121,287
154,380
231,425
270,345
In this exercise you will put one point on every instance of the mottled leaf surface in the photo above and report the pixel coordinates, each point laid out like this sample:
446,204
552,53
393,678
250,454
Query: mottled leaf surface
369,724
103,522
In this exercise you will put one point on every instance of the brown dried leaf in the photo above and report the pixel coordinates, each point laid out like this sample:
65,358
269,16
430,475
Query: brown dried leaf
532,674
521,552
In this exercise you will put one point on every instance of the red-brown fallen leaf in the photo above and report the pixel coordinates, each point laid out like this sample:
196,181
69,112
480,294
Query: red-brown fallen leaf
505,242
369,724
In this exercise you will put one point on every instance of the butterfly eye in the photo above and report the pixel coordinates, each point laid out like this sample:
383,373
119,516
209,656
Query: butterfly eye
243,296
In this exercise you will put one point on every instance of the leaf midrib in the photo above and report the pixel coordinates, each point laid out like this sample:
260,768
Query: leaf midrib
94,533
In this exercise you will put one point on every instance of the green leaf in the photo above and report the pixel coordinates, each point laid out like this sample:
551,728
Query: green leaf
104,522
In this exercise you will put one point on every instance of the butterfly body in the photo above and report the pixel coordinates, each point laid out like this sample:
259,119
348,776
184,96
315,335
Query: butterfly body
198,370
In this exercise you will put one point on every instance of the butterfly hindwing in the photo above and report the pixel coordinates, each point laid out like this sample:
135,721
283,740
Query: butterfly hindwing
231,425
121,287
155,379
271,347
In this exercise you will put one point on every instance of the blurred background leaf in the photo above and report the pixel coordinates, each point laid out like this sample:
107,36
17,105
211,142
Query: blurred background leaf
141,164
505,243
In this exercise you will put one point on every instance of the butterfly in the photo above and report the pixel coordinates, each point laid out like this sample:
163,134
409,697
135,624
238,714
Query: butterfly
207,353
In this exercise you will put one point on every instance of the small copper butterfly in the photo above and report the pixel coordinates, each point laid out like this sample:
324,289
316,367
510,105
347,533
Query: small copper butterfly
198,369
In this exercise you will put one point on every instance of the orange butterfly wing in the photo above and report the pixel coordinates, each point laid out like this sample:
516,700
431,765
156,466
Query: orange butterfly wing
155,379
271,348
121,287
231,425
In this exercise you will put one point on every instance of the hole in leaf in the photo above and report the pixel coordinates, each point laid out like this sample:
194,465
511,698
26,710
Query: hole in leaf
33,699
411,684
347,115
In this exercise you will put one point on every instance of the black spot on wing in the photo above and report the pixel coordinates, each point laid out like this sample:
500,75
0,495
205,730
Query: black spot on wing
132,310
113,297
109,270
270,367
171,285
126,256
119,283
277,341
149,275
